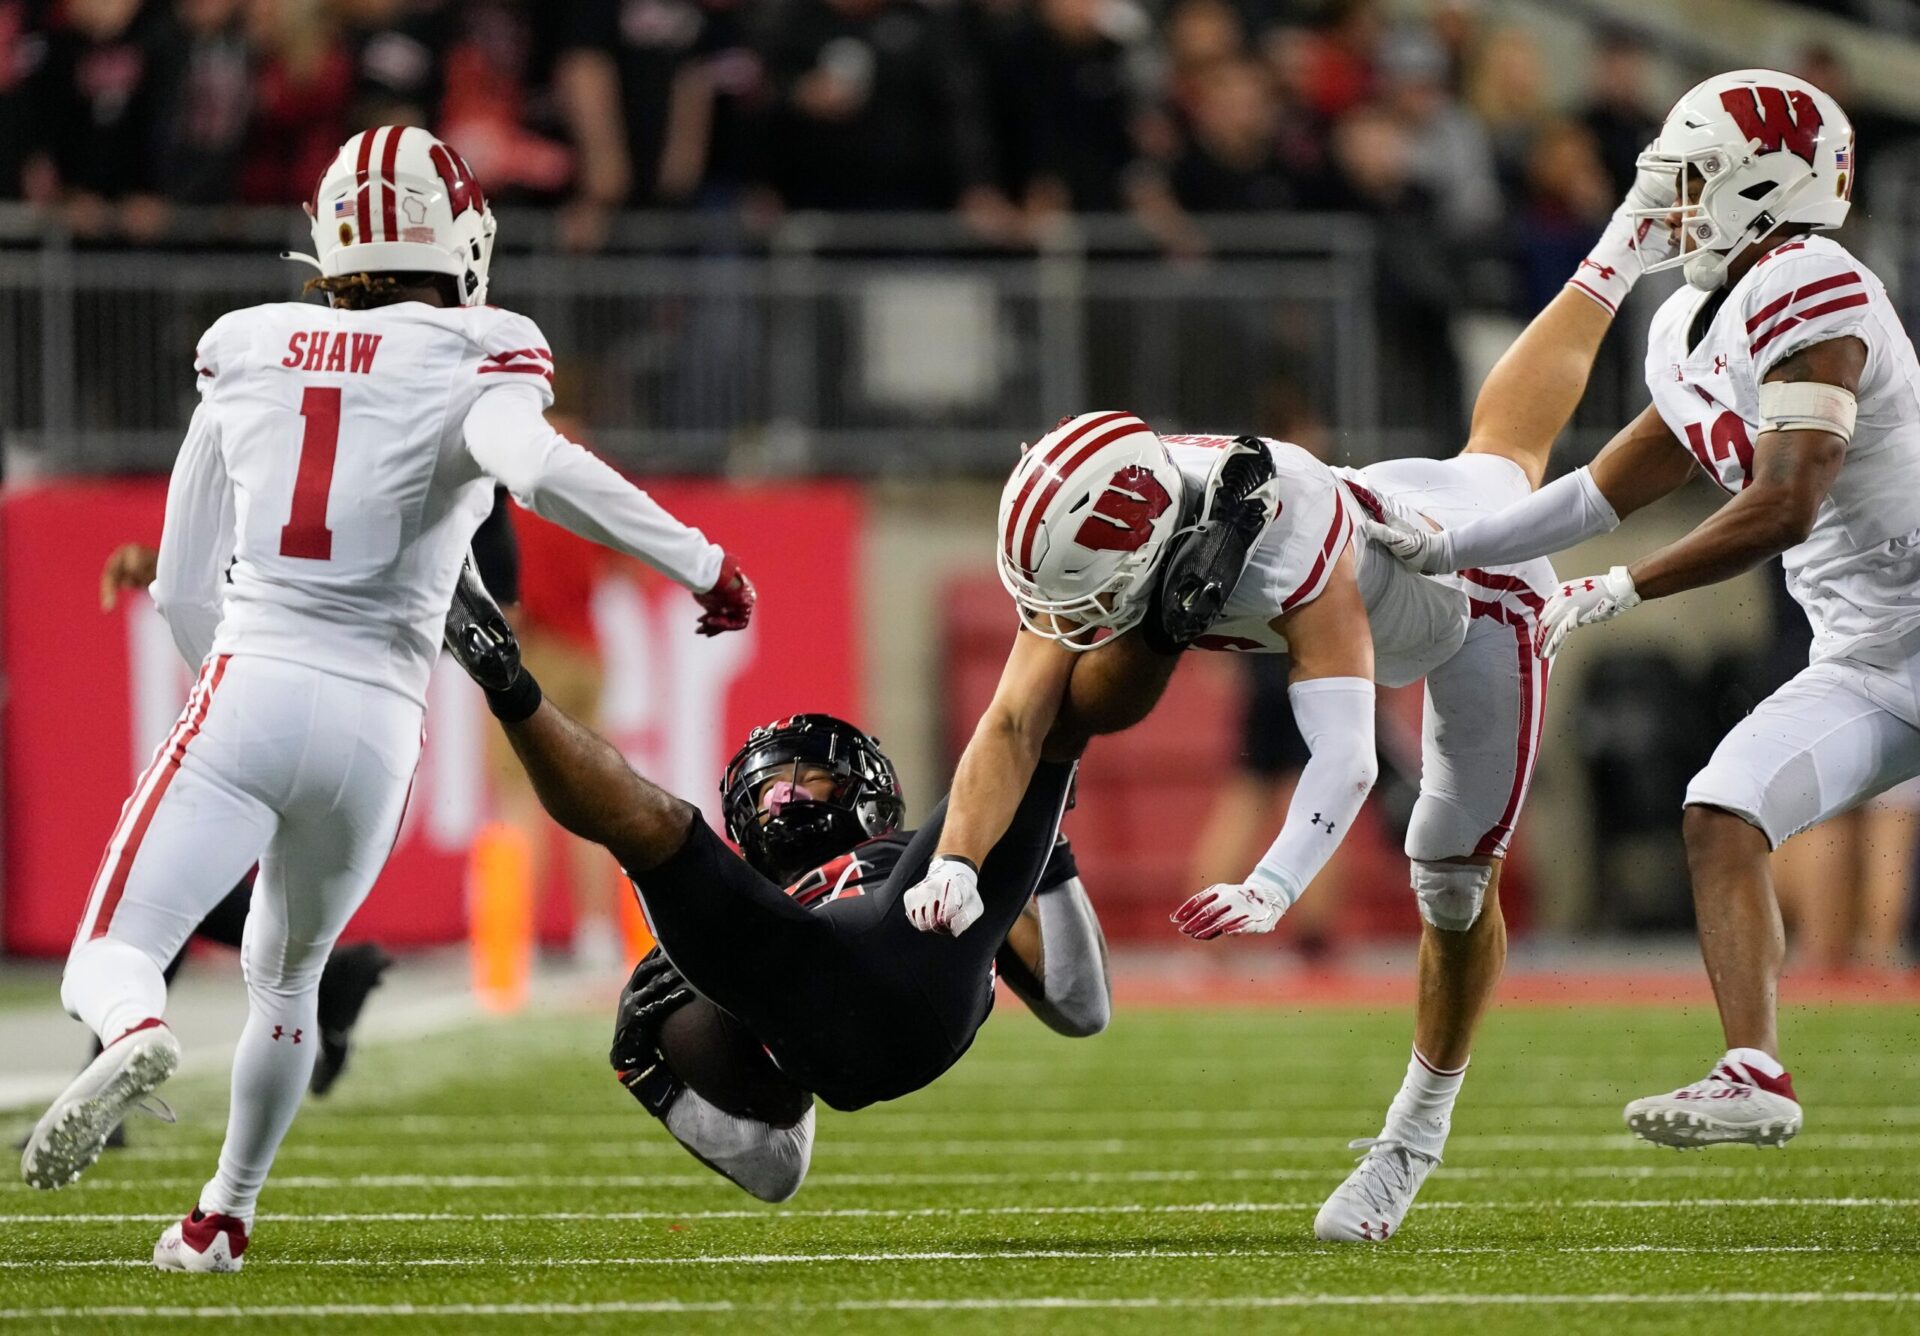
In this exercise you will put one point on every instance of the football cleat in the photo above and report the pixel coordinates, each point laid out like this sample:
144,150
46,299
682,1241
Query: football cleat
1204,562
1735,1105
1370,1205
76,1127
350,974
202,1242
477,634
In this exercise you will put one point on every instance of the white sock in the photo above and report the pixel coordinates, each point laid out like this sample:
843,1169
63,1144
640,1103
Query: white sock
1075,959
112,987
1611,269
1763,1063
271,1066
1422,1113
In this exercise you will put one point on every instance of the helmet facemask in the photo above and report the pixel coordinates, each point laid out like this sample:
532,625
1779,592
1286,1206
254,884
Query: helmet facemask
782,828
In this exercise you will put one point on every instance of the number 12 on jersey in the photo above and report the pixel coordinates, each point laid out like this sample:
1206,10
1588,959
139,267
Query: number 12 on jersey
305,533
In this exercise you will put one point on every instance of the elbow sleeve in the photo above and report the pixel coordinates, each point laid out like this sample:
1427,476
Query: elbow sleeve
768,1162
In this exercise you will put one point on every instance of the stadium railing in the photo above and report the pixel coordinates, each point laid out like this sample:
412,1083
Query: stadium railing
861,345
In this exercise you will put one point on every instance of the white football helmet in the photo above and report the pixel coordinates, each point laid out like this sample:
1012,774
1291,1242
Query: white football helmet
397,200
1770,148
1083,521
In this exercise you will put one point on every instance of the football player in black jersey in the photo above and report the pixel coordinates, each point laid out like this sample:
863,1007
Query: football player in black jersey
789,970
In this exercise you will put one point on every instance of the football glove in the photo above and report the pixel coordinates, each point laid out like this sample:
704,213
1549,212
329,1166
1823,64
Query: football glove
947,899
654,992
1413,541
728,606
1228,910
1597,598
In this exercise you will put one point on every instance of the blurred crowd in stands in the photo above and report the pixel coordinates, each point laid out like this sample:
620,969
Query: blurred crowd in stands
1449,129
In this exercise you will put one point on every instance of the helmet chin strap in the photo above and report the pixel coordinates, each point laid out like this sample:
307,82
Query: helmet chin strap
302,259
1707,270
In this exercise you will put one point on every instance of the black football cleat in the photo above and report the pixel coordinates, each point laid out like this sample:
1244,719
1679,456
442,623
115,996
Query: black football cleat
478,636
1205,561
350,974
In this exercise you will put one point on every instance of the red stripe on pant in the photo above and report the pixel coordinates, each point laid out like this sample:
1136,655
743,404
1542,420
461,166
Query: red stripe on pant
1533,709
111,881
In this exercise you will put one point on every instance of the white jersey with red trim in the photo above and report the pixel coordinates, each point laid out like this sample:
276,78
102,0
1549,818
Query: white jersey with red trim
337,468
1858,573
1417,621
340,433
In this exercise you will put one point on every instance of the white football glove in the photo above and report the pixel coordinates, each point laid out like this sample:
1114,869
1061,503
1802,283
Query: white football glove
1598,598
947,899
1413,541
1228,910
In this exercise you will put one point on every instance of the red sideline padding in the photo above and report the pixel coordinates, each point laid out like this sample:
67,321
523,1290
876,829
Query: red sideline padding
84,689
1143,794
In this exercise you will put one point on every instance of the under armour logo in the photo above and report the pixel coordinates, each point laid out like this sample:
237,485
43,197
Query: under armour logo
1318,820
1719,365
1604,270
279,1032
1678,375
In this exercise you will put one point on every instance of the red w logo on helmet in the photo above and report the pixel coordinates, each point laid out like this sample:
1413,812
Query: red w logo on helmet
1764,116
1122,518
463,192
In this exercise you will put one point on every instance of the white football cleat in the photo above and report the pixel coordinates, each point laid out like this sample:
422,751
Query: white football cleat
74,1130
202,1242
1736,1105
1370,1205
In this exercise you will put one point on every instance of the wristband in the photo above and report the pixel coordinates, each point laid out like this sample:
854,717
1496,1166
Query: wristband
970,865
517,702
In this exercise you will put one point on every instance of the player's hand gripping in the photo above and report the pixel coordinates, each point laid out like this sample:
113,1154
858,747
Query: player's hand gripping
653,993
947,899
1597,598
1413,541
131,566
1229,910
728,606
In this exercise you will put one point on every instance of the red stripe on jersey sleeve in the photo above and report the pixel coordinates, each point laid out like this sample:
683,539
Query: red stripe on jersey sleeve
1805,314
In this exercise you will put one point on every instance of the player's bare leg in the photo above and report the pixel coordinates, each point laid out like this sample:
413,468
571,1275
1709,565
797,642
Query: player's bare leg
1458,973
1741,937
1748,1098
1533,389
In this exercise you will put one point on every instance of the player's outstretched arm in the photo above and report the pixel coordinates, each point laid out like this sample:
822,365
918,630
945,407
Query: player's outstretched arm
1806,413
558,480
1641,464
1333,698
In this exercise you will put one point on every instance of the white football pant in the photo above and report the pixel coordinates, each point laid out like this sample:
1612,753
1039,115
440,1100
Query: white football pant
273,763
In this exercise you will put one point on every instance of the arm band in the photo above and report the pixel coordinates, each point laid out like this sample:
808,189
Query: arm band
1807,405
1554,518
1335,716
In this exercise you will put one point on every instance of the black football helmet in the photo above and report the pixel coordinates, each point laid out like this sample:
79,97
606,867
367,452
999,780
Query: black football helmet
794,837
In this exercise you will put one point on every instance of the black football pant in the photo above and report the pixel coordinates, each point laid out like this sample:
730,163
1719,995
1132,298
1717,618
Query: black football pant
853,1002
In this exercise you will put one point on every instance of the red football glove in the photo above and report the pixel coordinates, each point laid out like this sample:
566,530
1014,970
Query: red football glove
729,604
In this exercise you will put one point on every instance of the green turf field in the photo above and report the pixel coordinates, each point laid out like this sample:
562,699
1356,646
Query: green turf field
1160,1178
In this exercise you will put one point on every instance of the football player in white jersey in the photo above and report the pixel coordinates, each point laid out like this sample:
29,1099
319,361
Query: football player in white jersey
1782,370
1097,527
339,461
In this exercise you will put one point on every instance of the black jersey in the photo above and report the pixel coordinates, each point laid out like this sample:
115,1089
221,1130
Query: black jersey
869,865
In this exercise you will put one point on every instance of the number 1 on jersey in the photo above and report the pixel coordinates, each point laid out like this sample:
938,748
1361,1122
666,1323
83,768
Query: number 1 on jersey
305,533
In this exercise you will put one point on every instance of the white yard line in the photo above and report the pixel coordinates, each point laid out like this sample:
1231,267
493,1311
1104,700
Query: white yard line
1548,1143
1008,1255
982,1303
931,1212
490,1182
